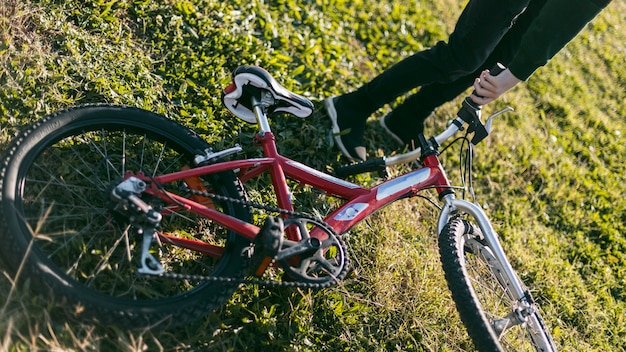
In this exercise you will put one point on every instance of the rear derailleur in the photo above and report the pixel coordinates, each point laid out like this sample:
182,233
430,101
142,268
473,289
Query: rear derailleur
142,217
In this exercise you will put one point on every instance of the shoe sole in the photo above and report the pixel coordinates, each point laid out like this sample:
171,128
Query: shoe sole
332,114
393,135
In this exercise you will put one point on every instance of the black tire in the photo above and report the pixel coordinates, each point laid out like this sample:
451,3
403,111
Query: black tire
56,180
479,290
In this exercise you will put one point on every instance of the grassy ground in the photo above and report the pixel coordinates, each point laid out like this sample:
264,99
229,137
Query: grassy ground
551,176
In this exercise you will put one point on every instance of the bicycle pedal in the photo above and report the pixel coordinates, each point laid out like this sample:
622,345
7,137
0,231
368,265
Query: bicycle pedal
267,244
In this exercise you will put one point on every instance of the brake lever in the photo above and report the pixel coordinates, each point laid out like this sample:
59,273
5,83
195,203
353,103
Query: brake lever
495,114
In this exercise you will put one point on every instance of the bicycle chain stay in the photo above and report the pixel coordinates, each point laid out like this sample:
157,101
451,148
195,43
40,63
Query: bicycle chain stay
261,282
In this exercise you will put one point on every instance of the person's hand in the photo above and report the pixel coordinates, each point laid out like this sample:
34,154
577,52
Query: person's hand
491,87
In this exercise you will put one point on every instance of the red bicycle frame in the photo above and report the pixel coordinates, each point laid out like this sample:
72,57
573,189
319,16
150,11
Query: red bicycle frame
360,201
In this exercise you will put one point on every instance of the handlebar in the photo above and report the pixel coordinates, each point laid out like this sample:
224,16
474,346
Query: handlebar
469,114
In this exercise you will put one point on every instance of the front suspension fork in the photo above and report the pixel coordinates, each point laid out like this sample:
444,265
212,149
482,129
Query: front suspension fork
452,206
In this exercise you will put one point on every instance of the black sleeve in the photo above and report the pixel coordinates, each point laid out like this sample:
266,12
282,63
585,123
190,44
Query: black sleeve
601,3
556,25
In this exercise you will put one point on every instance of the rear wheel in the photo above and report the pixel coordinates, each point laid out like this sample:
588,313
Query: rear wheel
57,216
495,319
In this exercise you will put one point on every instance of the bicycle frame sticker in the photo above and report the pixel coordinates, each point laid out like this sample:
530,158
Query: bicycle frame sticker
350,212
403,182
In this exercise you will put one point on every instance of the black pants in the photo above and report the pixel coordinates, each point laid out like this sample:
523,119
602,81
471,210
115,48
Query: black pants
488,31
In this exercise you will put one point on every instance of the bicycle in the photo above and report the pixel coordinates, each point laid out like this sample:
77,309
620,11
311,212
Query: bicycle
137,220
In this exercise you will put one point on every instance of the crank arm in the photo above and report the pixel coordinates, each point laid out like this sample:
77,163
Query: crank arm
309,245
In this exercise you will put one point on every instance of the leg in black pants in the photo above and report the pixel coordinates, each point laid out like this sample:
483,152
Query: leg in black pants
478,31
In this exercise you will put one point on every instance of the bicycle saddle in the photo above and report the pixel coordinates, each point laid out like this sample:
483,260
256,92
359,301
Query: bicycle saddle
252,81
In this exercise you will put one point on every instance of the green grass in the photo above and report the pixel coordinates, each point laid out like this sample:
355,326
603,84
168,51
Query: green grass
551,175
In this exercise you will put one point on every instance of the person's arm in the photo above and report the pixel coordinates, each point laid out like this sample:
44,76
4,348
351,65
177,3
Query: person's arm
556,25
558,22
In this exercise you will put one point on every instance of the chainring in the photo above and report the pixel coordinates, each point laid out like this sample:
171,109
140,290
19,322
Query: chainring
327,262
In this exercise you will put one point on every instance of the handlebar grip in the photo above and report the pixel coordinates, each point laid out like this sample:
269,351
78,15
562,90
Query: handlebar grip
494,71
497,69
360,168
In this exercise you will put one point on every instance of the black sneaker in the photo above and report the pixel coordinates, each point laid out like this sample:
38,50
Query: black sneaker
349,138
401,131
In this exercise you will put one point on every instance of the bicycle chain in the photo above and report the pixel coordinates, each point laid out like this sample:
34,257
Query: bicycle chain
260,282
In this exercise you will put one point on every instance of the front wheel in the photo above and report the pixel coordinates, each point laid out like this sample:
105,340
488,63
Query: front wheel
496,318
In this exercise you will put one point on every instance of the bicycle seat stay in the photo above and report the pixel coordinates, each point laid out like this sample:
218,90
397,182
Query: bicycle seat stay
255,82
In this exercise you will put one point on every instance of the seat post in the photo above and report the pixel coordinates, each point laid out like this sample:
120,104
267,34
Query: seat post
259,112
